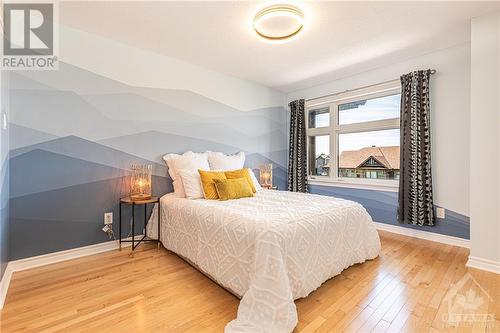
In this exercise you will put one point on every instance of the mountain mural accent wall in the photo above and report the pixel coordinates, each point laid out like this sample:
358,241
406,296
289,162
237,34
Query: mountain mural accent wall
74,135
4,177
383,206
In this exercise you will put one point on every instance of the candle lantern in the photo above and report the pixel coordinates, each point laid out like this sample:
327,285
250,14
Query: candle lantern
140,185
266,175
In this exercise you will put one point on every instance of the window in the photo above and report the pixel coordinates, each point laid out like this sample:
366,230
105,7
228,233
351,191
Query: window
380,108
319,117
319,155
354,136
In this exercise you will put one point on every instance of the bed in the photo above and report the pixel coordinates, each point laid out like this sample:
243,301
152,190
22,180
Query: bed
269,249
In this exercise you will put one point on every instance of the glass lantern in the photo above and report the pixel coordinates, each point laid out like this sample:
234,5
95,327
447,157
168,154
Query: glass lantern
266,175
140,185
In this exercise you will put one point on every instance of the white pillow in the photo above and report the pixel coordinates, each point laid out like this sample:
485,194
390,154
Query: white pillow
188,161
179,188
256,183
192,184
222,162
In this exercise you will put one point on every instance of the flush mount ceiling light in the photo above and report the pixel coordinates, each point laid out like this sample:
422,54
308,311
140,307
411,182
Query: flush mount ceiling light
278,22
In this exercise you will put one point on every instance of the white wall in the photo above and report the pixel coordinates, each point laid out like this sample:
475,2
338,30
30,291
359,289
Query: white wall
449,115
485,138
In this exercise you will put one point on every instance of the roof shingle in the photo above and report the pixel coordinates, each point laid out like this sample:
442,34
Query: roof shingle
387,156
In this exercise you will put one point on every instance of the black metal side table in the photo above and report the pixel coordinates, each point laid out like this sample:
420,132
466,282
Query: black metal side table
133,203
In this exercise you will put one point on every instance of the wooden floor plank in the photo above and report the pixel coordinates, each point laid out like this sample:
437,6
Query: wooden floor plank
404,290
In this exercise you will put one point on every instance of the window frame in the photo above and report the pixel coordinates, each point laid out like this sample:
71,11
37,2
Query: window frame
334,130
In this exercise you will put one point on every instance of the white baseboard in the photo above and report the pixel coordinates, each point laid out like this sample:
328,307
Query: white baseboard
52,258
4,285
396,229
484,264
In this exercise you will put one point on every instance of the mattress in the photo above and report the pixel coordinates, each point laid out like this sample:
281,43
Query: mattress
269,249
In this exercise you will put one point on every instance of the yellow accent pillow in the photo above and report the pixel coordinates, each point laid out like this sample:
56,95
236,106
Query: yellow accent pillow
233,188
241,173
207,182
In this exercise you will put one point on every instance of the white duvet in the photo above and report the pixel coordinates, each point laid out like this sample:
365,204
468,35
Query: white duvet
269,249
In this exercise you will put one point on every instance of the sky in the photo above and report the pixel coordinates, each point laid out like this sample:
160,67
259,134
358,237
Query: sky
374,109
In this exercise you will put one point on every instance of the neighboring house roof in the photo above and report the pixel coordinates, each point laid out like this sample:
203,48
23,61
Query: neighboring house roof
387,156
323,156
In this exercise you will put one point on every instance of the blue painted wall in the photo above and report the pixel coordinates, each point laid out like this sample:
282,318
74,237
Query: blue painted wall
4,176
382,206
74,135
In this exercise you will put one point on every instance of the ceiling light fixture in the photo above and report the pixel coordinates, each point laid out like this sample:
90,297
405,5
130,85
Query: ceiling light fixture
278,22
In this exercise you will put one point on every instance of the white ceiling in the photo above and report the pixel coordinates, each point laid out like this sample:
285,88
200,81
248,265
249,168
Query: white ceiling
339,39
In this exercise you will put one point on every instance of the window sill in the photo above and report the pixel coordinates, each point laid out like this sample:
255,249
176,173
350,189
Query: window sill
357,184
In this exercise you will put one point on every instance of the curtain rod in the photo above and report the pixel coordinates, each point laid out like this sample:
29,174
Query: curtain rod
433,71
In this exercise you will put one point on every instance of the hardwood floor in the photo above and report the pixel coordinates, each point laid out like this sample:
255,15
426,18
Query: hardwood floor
404,290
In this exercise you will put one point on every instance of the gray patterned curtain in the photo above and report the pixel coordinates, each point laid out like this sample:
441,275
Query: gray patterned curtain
297,158
415,181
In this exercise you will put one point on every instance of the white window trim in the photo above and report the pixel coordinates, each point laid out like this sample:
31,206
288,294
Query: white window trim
332,102
358,183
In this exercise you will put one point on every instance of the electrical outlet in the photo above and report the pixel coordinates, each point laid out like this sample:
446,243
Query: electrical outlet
108,218
440,213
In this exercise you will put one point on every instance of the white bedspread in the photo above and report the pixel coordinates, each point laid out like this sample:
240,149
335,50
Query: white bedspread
270,249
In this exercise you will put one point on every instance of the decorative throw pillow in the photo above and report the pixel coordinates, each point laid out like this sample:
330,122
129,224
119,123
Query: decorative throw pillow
192,184
241,173
220,161
208,184
235,188
188,161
